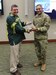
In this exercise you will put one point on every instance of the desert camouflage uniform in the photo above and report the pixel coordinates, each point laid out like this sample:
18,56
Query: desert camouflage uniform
42,23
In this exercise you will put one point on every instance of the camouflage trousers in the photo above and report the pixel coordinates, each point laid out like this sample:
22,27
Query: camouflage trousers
40,48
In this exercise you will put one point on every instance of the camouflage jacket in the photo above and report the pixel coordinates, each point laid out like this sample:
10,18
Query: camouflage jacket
42,24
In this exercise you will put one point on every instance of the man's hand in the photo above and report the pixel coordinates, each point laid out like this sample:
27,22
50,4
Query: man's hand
28,23
33,28
27,30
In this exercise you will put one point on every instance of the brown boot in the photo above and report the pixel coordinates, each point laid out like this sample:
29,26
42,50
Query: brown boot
43,67
37,64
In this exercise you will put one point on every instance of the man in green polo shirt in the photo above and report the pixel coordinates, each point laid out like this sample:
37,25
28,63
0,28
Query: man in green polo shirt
15,35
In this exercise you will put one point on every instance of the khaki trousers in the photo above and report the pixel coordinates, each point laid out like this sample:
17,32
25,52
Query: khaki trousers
14,57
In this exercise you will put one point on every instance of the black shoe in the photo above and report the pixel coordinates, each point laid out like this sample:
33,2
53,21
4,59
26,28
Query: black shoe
16,73
19,65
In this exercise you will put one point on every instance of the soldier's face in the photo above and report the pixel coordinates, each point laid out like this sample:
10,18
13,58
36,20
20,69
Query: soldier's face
39,10
14,10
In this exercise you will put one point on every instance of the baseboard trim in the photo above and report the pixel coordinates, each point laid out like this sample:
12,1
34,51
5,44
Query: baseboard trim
7,42
27,41
51,40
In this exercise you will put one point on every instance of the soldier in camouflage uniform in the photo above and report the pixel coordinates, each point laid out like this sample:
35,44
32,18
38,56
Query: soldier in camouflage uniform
42,23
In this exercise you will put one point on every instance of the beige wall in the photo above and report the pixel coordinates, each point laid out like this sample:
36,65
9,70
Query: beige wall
52,30
21,4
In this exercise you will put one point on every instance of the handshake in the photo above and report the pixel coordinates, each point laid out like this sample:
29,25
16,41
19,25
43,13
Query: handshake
32,28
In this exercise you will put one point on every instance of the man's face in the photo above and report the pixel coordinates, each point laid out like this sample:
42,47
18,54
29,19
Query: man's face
14,10
39,10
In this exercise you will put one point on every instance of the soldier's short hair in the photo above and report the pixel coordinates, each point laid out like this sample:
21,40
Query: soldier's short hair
39,5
